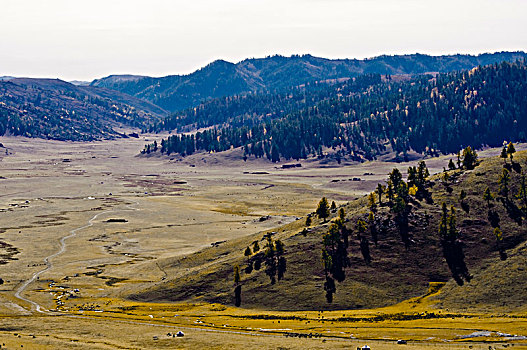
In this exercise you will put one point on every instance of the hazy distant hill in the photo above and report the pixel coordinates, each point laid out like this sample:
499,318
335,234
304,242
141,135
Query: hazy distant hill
53,108
221,78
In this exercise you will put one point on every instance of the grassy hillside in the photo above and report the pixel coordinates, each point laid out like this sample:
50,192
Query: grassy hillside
395,273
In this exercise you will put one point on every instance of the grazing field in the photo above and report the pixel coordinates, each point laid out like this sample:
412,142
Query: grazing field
85,225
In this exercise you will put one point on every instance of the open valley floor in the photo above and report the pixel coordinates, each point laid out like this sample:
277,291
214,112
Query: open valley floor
83,226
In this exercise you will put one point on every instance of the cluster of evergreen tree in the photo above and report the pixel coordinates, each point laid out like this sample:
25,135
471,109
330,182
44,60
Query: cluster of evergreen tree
336,241
273,258
335,254
360,117
452,245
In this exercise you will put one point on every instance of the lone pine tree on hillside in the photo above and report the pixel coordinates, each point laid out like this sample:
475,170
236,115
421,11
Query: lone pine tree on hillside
342,215
451,165
249,267
488,196
504,181
510,150
248,251
323,209
504,154
470,158
371,201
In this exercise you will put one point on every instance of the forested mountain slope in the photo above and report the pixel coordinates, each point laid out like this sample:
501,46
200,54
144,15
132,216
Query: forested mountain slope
51,108
221,78
362,117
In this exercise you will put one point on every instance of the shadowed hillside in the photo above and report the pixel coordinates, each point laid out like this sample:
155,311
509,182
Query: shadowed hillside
402,265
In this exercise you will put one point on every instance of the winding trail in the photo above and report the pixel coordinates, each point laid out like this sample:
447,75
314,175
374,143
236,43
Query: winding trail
49,265
63,247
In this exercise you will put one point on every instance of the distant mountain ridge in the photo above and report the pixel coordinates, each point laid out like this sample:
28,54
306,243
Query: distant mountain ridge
221,78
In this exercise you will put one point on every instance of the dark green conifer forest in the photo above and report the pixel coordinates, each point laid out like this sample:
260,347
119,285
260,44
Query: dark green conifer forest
362,117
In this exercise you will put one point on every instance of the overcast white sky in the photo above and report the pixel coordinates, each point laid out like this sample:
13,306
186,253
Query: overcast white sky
87,39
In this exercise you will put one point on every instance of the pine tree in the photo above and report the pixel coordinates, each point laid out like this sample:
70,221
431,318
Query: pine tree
308,221
510,150
371,201
504,154
342,215
451,165
422,175
365,250
499,240
389,191
451,224
488,196
361,228
333,205
445,178
275,153
470,158
256,247
270,260
281,261
396,177
499,235
323,210
503,181
380,191
248,251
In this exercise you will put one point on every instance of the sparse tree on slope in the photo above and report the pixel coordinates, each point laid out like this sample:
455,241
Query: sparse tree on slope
470,158
504,181
503,154
488,196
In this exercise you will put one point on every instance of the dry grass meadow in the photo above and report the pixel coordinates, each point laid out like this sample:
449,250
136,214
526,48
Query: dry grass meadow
82,225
